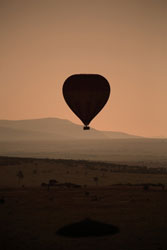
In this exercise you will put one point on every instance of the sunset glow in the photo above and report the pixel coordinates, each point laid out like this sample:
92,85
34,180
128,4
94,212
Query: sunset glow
44,42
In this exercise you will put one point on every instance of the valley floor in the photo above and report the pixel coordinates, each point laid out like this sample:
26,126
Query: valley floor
134,199
31,217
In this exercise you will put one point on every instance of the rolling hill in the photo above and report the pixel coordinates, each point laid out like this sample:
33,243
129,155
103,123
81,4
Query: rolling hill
52,129
61,139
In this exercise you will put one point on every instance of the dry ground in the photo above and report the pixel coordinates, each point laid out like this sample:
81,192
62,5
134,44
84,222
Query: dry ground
37,171
30,217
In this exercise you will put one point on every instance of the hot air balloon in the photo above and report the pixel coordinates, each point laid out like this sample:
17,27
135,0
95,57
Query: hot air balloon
86,95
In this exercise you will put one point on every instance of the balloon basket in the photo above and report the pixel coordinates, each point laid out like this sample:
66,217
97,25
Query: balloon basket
86,128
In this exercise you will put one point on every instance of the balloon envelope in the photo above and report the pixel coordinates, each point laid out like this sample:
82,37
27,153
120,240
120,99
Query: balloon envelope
86,95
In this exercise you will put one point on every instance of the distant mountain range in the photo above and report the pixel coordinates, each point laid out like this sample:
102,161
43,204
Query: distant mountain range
52,129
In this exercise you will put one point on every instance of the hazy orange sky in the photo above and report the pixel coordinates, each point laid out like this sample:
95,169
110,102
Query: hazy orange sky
45,41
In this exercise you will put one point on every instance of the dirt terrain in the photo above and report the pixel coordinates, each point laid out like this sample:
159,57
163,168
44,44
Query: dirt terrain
31,214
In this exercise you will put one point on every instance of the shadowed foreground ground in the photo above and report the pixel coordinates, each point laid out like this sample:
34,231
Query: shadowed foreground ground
30,217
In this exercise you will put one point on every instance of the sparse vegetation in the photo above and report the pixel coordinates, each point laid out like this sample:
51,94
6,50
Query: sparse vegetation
88,173
20,176
2,200
35,171
96,179
120,199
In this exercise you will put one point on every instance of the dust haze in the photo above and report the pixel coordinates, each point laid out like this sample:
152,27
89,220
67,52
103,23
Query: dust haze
65,189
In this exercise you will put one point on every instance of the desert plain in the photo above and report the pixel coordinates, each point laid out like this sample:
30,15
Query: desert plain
50,194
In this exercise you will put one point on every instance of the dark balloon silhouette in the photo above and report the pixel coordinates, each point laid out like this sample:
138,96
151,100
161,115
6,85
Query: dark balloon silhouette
86,95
